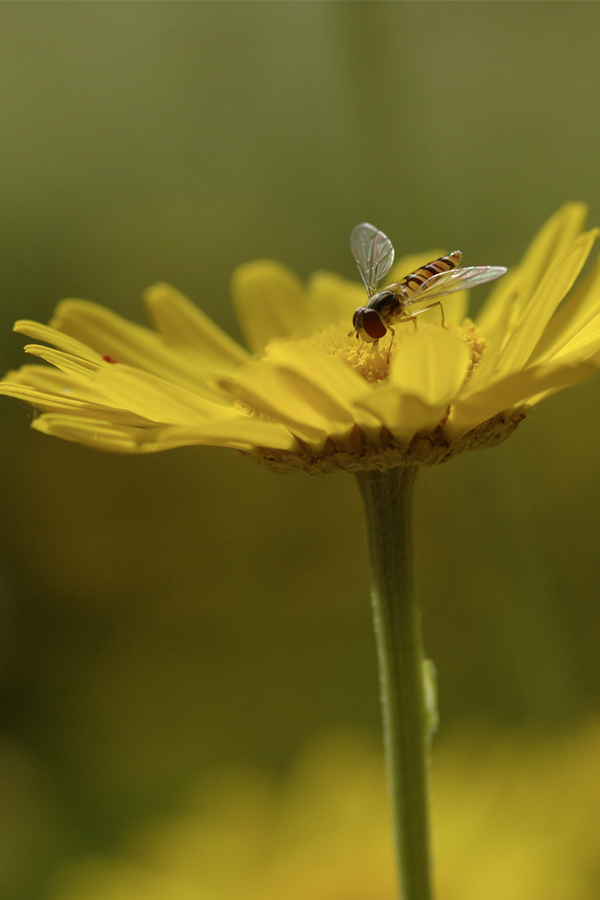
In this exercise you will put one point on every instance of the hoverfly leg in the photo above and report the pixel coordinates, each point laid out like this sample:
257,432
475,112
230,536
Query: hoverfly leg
443,322
430,306
391,343
412,318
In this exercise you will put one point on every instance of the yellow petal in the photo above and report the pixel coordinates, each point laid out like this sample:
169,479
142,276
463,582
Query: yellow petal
504,328
432,365
506,294
56,338
107,333
239,432
74,365
107,436
56,403
154,398
581,345
309,412
556,282
270,302
456,307
331,299
556,235
513,390
574,316
340,381
184,327
53,381
403,415
140,392
427,371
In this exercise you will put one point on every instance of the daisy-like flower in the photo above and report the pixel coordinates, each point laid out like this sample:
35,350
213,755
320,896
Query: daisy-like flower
313,397
309,396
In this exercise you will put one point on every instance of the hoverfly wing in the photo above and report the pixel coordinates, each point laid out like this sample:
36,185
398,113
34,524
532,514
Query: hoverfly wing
457,280
373,254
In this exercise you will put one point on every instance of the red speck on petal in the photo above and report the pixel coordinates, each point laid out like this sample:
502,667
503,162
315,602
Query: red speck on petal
109,359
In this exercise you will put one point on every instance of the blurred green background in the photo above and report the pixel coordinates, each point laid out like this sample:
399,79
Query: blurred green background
162,615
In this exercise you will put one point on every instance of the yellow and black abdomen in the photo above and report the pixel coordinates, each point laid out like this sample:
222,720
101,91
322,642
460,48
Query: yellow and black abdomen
415,281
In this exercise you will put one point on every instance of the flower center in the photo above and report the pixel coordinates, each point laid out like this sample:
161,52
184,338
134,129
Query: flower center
357,451
372,361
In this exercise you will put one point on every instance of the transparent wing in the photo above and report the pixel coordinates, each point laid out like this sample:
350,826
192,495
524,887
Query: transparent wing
373,254
456,280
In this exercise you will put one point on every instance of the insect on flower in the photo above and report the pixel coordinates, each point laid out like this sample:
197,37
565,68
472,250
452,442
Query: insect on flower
373,253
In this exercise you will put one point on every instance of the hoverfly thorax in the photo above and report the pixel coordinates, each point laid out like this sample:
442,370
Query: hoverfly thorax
385,301
373,253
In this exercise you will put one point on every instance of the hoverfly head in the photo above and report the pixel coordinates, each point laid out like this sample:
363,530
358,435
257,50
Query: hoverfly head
368,324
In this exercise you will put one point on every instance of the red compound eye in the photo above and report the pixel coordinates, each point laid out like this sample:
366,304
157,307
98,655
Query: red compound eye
373,324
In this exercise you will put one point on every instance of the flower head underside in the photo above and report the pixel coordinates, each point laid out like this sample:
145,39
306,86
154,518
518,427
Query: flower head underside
309,396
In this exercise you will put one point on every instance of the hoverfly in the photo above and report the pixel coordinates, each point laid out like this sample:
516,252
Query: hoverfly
374,254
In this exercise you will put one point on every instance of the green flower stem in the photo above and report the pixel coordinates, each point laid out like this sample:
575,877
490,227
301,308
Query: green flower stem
387,498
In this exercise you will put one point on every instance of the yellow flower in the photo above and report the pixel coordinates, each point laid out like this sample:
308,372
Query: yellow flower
309,396
513,817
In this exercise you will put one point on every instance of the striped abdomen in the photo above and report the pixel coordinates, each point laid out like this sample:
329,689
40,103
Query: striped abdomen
413,282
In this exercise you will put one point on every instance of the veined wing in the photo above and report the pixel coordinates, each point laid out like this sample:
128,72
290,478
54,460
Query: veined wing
456,280
373,254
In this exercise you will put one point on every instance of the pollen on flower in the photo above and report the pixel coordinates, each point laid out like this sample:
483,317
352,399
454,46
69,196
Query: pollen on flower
369,360
469,332
372,361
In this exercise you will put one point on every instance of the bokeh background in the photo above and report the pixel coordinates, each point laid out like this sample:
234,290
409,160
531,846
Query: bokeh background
164,615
